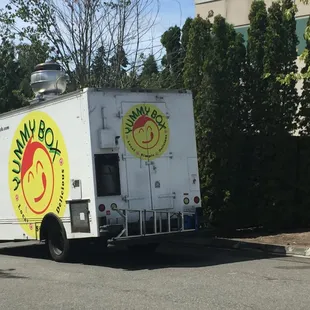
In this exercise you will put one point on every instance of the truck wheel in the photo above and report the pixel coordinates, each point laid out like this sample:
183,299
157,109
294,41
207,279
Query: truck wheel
58,245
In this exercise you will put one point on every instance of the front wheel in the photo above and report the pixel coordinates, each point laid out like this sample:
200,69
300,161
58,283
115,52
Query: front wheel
58,245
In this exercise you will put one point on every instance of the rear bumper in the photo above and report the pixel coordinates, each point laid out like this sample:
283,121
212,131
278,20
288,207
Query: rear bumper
154,238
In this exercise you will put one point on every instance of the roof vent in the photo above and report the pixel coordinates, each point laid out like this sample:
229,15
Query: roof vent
48,80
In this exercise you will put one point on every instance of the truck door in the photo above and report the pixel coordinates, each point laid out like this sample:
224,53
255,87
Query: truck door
145,133
160,161
160,174
137,171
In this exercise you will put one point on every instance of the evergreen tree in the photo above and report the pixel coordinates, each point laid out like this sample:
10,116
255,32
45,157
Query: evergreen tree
172,61
100,69
290,97
279,59
198,48
171,42
304,113
273,65
185,39
29,55
218,103
223,69
175,41
10,78
118,64
149,67
150,77
255,85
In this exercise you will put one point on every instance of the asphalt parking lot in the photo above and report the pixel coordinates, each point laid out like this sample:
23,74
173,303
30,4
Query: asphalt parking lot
175,277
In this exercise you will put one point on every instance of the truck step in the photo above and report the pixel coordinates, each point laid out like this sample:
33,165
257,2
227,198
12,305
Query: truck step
160,222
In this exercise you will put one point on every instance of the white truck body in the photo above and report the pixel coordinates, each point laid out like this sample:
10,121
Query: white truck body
100,161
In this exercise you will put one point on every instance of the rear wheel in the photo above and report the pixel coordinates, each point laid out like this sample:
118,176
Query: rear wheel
58,245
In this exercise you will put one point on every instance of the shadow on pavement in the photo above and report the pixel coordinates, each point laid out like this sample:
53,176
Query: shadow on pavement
167,256
9,274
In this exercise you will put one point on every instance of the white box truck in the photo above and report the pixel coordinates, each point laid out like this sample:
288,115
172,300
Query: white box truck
95,164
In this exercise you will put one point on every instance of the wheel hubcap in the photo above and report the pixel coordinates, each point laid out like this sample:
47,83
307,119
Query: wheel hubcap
58,243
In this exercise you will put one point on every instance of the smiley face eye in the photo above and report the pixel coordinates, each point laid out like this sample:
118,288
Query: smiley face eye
39,164
141,130
30,175
149,128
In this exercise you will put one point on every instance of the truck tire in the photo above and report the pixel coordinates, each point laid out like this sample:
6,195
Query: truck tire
58,245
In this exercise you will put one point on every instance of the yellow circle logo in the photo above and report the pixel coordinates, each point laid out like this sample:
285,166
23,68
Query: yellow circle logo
145,131
38,171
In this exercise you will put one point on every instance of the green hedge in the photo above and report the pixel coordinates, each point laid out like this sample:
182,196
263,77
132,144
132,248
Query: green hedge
268,180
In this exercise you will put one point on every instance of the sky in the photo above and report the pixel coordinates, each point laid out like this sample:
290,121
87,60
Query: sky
171,13
175,12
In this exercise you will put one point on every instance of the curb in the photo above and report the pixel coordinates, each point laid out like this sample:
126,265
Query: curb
17,244
270,249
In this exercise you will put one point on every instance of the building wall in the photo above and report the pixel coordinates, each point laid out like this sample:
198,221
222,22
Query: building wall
301,23
236,11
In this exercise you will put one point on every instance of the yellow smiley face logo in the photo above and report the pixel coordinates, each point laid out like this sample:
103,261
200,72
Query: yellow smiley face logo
145,131
38,171
37,177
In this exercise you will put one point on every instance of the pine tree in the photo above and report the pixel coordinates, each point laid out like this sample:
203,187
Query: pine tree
29,55
273,65
186,34
100,69
185,41
149,67
117,68
219,100
198,48
280,56
149,77
304,113
172,61
255,84
223,70
11,76
290,97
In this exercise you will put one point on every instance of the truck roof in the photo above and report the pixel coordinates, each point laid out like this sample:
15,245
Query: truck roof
33,105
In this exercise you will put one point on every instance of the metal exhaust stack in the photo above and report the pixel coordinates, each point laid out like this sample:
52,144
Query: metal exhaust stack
48,80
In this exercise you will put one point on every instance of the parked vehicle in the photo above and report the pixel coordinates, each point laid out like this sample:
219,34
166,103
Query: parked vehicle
97,164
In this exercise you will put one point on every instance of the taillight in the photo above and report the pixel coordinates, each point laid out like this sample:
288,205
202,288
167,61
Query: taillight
114,206
196,200
102,208
186,201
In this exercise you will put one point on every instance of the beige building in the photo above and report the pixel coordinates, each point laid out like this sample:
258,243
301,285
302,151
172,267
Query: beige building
236,12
